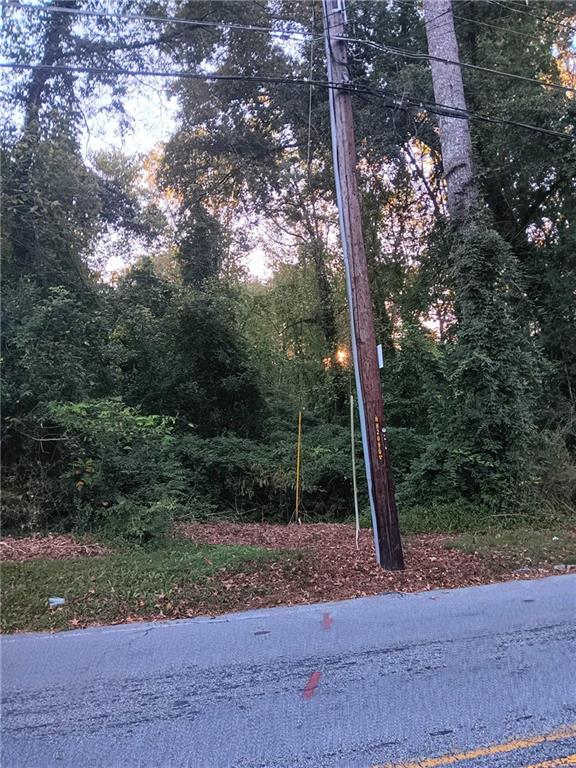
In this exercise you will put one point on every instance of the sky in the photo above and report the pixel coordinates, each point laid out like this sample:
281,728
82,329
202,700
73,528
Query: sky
152,115
151,121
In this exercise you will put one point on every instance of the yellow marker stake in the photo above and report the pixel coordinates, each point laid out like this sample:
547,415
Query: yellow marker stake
298,452
569,732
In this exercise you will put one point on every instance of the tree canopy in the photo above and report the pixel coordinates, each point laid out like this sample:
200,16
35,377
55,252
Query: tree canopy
170,383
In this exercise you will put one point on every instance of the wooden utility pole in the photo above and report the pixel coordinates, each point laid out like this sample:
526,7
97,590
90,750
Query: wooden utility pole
374,437
449,90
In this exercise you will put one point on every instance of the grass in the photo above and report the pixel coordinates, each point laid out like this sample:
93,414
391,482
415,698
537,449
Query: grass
521,547
128,583
443,518
181,578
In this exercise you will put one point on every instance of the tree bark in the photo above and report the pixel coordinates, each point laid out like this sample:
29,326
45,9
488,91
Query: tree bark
449,91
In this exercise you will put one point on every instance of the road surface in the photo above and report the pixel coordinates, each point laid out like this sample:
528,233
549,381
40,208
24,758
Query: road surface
481,677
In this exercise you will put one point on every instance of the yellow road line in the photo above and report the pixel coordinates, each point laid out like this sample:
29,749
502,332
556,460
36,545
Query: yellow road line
556,762
567,732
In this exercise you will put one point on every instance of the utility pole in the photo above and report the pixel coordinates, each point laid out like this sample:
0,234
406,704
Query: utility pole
454,131
374,437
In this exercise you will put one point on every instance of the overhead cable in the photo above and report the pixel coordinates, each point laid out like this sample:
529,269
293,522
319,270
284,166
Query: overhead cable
512,8
302,35
398,101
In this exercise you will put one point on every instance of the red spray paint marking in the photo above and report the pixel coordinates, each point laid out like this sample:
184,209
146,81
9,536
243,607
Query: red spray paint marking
311,685
327,621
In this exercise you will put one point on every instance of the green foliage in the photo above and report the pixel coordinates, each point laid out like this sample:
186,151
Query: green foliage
52,349
484,425
177,352
257,479
52,346
239,475
200,252
120,470
437,516
104,467
409,378
552,472
129,383
125,201
50,208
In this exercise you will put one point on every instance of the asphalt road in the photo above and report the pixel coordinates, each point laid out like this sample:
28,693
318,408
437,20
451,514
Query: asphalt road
484,675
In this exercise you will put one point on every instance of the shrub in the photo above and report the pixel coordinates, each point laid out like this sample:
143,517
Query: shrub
257,479
126,476
106,467
435,517
482,425
552,490
179,352
237,474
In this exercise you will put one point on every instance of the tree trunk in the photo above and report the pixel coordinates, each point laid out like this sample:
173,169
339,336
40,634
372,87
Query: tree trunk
449,91
25,245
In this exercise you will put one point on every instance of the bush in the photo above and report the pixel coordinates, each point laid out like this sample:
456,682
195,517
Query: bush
482,425
436,517
139,521
552,490
179,352
239,475
126,476
106,467
257,479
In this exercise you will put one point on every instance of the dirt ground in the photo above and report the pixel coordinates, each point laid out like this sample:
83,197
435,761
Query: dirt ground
331,568
320,562
51,547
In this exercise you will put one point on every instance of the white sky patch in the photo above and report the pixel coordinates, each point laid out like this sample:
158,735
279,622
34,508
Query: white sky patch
150,117
258,264
115,264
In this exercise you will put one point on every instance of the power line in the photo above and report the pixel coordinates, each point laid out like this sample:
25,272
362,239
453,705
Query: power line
311,72
160,19
497,26
466,65
302,35
396,101
533,15
449,111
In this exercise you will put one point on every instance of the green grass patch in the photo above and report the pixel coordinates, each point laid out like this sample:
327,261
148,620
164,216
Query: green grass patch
454,517
127,583
465,517
521,547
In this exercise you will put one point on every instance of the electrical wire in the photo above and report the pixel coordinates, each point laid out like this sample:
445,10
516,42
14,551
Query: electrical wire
463,64
308,152
483,23
509,30
396,101
302,35
159,19
533,15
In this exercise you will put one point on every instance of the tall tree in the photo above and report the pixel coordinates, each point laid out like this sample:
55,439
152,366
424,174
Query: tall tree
492,366
449,91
